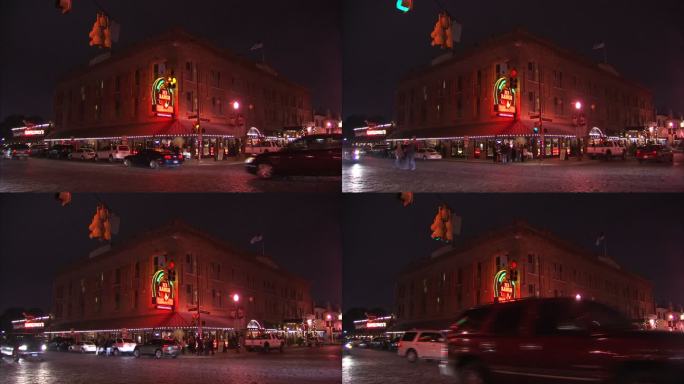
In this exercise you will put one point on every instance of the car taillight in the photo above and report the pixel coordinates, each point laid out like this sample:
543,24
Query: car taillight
654,153
167,157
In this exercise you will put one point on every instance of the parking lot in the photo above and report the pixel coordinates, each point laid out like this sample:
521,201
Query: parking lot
295,365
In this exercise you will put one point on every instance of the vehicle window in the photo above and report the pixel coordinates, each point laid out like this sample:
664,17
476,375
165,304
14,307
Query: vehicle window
430,337
507,320
409,336
599,317
554,318
471,320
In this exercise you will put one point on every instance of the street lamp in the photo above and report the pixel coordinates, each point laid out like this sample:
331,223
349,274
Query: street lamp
236,298
236,105
578,105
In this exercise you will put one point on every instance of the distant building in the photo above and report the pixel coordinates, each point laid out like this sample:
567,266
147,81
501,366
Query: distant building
434,290
465,105
128,290
126,97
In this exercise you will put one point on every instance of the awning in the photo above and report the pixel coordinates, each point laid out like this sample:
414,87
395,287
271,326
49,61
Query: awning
169,128
161,321
481,130
438,325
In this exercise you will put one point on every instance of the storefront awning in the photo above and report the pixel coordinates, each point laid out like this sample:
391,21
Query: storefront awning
169,128
481,130
160,321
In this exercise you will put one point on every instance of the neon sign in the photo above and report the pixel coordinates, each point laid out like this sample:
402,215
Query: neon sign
504,98
162,291
376,325
504,288
162,97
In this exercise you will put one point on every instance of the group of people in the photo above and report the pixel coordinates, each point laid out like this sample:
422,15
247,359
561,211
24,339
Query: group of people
510,154
208,345
405,155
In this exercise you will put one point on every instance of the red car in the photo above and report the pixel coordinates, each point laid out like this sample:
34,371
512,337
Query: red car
559,340
659,153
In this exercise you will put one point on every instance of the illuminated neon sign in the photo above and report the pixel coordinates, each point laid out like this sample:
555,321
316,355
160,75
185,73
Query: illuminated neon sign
162,97
504,288
162,291
376,325
504,98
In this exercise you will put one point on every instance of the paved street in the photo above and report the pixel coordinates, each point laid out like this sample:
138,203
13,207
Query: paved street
45,175
379,175
368,366
295,365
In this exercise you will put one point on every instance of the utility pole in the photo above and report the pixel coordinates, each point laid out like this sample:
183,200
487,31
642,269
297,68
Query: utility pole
199,127
199,293
541,101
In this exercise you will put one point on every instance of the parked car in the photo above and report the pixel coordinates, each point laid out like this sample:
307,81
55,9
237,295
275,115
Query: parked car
309,155
154,159
559,340
422,344
38,150
264,342
22,346
16,151
83,153
157,348
428,154
606,150
60,151
113,152
83,347
380,342
60,343
123,346
655,152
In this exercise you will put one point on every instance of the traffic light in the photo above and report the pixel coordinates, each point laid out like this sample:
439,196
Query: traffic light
535,130
513,78
404,5
63,5
171,271
171,81
513,271
96,36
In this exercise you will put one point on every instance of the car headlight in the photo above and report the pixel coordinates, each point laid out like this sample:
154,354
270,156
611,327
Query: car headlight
348,346
249,160
23,347
43,347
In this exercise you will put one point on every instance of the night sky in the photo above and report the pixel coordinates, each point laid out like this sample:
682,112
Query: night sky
644,39
38,44
38,235
644,234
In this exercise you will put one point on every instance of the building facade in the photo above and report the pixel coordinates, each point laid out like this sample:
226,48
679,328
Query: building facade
438,288
130,289
150,94
520,90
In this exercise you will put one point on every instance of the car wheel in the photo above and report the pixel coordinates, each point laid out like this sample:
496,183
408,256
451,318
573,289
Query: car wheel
411,356
472,374
158,354
117,352
126,163
136,353
154,164
265,170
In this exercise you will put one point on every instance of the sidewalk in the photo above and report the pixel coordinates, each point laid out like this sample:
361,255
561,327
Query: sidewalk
547,162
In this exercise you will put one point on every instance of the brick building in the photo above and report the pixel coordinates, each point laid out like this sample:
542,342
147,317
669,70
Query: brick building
435,290
464,103
128,289
125,97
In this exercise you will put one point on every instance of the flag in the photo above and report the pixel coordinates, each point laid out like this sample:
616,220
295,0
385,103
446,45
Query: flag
599,45
601,238
256,46
256,239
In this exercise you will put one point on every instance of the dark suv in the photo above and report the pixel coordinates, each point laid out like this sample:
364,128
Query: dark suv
158,348
559,340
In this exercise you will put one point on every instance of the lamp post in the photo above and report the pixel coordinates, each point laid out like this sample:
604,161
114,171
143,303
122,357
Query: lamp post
578,108
328,322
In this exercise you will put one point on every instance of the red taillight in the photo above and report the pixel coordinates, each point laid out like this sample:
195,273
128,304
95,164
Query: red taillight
167,157
655,153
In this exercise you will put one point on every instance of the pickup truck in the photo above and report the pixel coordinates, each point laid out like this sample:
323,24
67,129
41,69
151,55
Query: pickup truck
264,342
606,150
123,346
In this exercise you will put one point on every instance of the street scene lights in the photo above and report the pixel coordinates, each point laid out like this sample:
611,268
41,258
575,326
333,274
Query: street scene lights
236,298
236,105
578,105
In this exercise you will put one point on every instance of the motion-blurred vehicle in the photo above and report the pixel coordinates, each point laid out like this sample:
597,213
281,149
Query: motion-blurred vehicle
38,150
262,147
264,342
60,151
60,343
314,155
351,154
113,152
394,344
154,159
380,342
23,346
422,344
16,151
157,348
655,152
559,340
83,347
83,153
428,154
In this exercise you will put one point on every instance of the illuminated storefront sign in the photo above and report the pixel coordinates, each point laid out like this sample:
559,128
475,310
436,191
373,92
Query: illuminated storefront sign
376,325
162,97
504,98
162,291
504,288
375,132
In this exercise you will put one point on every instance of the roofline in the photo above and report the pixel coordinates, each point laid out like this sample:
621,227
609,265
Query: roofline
506,37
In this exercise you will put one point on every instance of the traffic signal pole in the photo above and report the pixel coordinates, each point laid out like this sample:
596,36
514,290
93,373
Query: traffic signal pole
199,127
541,128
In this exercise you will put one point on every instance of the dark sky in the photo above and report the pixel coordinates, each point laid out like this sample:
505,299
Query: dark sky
644,234
38,235
644,39
38,44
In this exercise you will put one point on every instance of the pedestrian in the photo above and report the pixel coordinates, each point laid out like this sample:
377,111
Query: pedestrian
411,154
399,156
514,154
